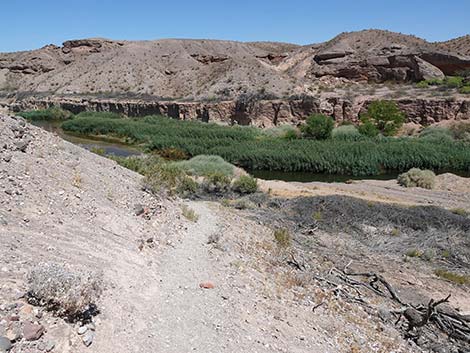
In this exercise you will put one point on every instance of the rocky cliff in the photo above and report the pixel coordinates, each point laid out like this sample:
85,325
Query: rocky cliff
262,113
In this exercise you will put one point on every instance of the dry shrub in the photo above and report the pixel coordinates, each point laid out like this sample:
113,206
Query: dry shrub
417,177
67,293
282,237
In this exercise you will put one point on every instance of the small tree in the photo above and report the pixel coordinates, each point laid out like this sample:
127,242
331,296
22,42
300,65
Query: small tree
318,127
367,127
386,116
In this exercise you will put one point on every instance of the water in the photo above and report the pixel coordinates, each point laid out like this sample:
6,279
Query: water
123,150
307,177
109,148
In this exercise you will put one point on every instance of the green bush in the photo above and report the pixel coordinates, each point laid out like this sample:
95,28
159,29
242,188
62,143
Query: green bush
368,128
245,184
422,84
386,116
250,149
437,134
216,183
417,178
203,165
101,115
346,133
453,81
464,90
318,127
283,131
52,113
164,177
187,187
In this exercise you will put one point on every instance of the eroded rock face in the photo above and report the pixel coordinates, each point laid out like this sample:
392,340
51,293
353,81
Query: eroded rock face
262,113
373,56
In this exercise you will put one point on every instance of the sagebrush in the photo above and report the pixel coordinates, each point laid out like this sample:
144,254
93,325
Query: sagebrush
417,178
65,292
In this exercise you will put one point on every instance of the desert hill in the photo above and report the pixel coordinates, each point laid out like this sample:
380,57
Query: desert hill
207,69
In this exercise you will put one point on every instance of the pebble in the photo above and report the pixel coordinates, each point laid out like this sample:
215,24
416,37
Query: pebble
206,285
5,344
82,330
88,338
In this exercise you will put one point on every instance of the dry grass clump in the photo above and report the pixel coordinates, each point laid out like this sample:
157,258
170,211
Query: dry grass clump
416,177
453,277
189,214
282,237
67,293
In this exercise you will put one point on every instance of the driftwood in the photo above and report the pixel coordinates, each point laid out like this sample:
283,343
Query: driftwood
348,285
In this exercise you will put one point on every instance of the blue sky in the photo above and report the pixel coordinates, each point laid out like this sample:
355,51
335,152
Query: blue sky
29,24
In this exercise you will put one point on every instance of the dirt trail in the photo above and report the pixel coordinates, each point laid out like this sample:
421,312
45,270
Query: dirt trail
189,318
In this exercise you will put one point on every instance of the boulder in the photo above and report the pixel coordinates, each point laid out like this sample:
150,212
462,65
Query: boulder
33,332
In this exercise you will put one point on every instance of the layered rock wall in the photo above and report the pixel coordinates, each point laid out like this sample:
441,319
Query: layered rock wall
263,113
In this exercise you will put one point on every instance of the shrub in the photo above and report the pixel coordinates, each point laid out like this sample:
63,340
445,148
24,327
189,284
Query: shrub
218,183
52,113
464,90
386,116
141,165
187,187
189,214
453,277
437,134
203,165
417,178
422,84
318,127
66,293
453,81
414,253
161,177
173,154
282,237
346,133
459,211
368,128
100,115
249,149
283,131
245,184
461,131
242,204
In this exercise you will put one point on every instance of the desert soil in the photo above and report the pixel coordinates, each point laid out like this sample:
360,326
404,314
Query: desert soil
63,204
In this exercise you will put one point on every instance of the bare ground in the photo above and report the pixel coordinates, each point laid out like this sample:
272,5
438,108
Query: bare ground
63,204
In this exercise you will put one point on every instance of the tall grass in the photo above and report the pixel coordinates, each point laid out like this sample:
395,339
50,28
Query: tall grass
251,149
52,113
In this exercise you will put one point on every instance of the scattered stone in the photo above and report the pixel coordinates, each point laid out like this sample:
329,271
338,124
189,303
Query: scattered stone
46,346
32,332
5,344
50,345
13,335
7,158
206,285
82,330
88,338
139,209
384,314
22,145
